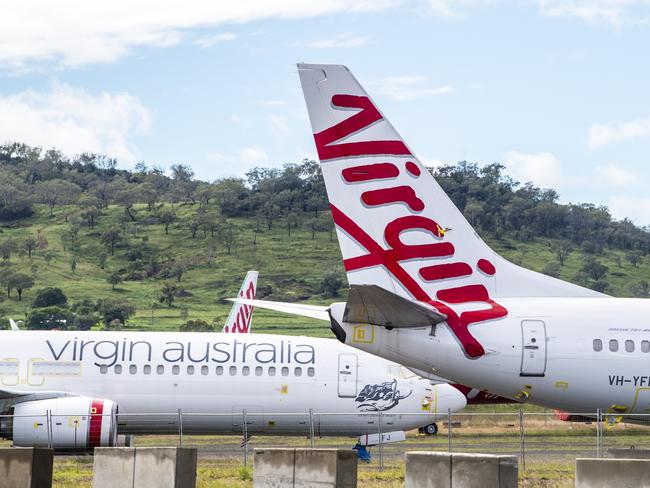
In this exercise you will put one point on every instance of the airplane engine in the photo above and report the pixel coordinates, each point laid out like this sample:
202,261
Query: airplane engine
61,423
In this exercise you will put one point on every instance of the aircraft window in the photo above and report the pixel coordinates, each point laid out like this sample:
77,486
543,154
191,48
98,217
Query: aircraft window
133,369
613,345
176,369
233,370
629,346
118,369
160,369
146,369
259,370
245,370
103,369
285,371
204,370
297,371
310,371
645,346
271,370
219,370
598,345
190,369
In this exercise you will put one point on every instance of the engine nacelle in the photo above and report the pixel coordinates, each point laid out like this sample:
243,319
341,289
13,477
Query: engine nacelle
61,423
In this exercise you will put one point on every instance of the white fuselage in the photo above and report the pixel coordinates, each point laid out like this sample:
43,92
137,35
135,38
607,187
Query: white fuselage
269,376
575,354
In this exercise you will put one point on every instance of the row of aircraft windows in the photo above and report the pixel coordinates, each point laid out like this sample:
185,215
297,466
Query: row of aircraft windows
205,370
629,345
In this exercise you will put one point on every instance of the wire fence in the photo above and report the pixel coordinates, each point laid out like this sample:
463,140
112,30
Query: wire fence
532,436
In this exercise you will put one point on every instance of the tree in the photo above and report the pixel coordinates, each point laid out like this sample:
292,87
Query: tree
197,325
111,237
594,269
6,278
30,244
115,309
562,251
21,282
228,238
7,247
177,272
552,268
167,294
183,183
331,284
48,318
49,255
634,258
640,289
166,218
50,297
114,279
90,208
193,226
73,264
56,191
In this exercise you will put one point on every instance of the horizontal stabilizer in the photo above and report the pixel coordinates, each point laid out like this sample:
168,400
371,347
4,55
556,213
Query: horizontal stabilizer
311,311
371,304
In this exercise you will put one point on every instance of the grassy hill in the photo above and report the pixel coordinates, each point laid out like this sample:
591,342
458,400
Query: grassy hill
293,266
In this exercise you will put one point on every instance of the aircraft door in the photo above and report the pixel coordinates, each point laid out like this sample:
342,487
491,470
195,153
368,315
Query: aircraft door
641,401
533,351
347,381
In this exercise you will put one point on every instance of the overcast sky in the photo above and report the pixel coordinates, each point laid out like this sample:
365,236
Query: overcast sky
555,90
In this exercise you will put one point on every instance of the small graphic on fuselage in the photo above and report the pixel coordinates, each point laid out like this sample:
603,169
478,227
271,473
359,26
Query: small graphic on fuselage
380,397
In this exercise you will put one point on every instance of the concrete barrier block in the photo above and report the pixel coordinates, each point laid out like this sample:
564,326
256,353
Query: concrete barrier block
458,470
26,467
605,473
113,467
483,471
273,468
427,469
336,468
126,467
165,467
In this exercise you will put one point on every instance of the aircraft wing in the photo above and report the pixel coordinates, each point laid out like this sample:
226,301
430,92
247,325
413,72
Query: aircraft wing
371,304
27,396
311,311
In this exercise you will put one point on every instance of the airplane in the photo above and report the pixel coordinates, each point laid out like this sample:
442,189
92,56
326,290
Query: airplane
241,322
427,292
75,390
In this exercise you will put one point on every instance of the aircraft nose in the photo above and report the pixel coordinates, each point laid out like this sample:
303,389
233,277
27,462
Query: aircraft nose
448,398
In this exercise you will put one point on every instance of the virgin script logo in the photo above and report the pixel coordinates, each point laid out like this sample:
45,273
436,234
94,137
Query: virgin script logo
446,299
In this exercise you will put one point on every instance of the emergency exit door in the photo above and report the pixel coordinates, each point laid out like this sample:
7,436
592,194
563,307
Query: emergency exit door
347,375
533,351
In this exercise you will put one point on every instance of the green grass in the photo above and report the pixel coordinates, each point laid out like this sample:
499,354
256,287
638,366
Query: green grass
294,267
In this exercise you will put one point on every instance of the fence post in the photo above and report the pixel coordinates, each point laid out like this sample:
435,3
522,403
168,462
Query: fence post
180,427
522,440
599,433
48,426
311,428
381,442
114,422
449,429
245,429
